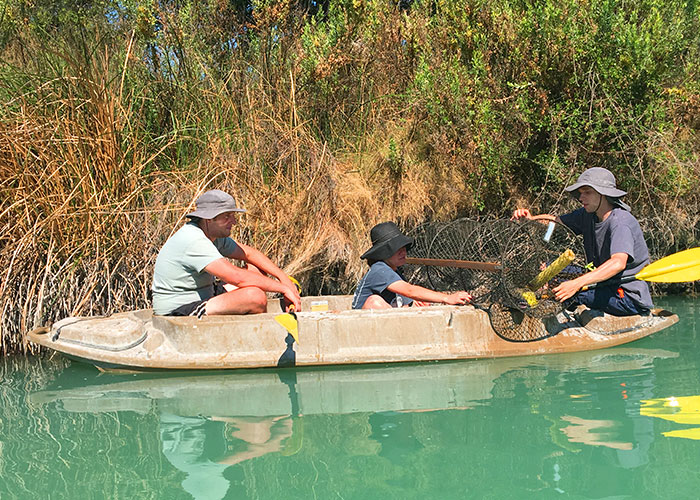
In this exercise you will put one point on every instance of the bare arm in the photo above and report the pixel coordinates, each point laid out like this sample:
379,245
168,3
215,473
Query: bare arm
524,213
228,273
425,294
615,264
261,261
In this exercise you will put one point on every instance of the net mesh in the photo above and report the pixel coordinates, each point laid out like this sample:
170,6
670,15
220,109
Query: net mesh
523,251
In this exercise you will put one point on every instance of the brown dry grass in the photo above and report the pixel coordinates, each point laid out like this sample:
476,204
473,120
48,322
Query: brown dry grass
83,217
84,214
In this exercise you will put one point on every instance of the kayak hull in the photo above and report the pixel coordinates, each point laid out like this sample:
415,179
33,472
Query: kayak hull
138,340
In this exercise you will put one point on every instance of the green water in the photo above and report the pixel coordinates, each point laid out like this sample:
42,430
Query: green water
584,425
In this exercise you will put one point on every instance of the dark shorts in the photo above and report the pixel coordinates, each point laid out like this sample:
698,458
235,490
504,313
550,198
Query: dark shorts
609,300
198,307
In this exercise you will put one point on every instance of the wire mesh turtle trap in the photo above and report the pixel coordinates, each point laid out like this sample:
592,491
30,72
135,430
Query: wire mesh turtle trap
509,267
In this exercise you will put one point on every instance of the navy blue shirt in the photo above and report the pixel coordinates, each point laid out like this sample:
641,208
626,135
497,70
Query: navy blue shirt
375,282
619,233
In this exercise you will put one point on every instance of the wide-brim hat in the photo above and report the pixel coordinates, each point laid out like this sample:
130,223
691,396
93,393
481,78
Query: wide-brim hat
600,179
212,203
603,181
387,239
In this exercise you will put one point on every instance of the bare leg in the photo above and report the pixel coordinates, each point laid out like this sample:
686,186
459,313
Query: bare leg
376,302
248,300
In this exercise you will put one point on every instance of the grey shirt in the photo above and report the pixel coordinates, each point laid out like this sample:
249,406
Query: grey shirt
179,277
619,233
376,281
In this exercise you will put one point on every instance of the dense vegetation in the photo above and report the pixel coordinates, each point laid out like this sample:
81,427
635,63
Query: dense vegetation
322,118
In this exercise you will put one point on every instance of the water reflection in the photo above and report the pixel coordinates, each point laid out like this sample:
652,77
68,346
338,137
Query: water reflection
630,437
435,430
205,423
592,432
427,386
681,410
404,423
204,447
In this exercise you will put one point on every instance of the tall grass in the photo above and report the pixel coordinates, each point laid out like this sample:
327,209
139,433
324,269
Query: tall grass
116,116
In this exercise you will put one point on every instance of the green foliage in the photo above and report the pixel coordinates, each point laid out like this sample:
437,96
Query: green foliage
506,86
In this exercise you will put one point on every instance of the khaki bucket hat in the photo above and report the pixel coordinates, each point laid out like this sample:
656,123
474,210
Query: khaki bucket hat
212,203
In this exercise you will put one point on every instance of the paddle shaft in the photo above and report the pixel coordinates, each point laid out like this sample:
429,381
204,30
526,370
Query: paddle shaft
463,264
566,258
617,282
664,270
468,264
492,266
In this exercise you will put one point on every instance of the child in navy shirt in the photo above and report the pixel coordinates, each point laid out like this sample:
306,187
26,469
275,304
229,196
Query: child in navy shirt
383,286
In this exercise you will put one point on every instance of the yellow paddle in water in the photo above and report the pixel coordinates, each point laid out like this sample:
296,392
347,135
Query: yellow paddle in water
289,319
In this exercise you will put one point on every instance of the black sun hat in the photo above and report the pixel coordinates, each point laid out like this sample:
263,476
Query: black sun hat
387,239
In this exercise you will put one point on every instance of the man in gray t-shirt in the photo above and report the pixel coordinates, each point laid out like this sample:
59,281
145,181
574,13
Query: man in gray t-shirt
191,259
614,244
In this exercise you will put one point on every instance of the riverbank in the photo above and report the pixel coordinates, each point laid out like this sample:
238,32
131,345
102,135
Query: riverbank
321,120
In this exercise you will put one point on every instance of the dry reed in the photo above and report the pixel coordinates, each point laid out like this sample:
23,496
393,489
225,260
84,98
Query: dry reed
83,214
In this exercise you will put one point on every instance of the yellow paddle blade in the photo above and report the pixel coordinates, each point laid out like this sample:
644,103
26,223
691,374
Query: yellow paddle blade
683,410
290,323
676,268
296,283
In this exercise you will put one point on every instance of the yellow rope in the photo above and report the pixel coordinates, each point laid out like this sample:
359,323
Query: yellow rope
552,270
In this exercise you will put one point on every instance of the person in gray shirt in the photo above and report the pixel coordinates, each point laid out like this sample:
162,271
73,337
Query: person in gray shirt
614,244
184,276
383,286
